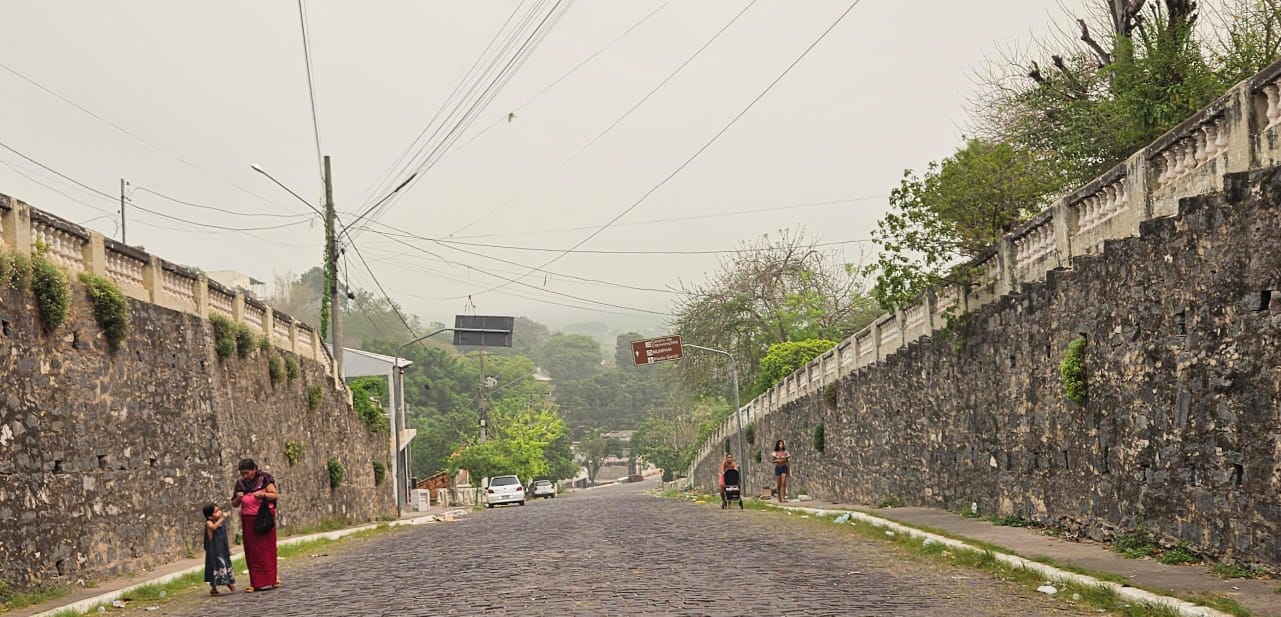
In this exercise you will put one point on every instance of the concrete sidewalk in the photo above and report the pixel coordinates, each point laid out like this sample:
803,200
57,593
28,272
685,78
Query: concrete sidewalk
1259,596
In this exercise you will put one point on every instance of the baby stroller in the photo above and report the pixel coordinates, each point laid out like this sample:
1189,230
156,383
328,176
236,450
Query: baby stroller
733,491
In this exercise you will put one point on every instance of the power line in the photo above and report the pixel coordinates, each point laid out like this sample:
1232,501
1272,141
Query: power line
121,129
213,226
218,209
513,263
486,96
676,219
566,74
311,87
631,109
696,153
86,204
534,287
636,252
58,173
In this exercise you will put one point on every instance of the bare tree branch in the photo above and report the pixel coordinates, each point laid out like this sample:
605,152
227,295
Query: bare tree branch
1105,58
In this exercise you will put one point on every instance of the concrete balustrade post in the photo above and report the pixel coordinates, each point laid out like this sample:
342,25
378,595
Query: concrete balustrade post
1238,115
1005,253
1137,201
17,228
238,307
202,296
152,279
293,336
269,324
95,254
1064,224
876,340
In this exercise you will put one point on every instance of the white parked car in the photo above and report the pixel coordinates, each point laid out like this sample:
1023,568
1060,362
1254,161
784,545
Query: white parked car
504,489
543,488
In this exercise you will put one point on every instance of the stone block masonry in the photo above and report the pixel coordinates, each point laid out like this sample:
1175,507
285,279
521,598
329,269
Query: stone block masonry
106,459
1180,431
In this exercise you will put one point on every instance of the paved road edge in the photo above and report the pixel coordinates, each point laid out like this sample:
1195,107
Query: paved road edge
87,604
1185,608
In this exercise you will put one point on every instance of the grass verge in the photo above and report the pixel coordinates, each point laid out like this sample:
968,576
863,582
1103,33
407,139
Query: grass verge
156,594
983,557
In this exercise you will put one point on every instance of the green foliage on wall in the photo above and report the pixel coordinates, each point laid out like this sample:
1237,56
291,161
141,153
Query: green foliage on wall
53,295
1072,371
820,438
291,368
315,394
366,396
246,341
380,473
830,393
264,343
110,308
224,336
293,451
15,269
336,472
749,433
275,369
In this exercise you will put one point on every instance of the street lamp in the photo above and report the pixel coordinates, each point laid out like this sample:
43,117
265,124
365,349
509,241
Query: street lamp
738,415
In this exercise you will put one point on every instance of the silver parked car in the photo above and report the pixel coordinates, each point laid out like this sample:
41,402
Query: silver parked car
504,489
542,488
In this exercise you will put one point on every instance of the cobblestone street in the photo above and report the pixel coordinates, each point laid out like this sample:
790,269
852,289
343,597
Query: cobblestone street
618,551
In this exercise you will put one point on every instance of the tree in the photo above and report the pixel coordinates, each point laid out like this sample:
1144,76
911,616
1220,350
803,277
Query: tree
772,290
296,297
957,209
783,359
595,448
570,356
525,440
671,435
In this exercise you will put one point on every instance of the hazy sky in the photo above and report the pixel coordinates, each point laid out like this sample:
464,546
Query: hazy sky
199,91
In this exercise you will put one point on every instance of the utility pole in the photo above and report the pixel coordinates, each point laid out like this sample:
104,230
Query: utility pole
484,401
331,265
122,211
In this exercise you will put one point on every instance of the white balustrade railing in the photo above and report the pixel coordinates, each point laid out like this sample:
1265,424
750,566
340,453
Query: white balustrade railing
178,286
1202,142
1034,243
280,332
61,247
915,316
255,317
124,269
221,303
1272,91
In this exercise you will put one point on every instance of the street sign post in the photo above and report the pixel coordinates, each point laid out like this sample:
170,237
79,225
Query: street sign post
661,349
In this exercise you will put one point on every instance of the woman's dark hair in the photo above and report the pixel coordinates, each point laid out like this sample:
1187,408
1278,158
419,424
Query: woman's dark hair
208,509
779,445
247,463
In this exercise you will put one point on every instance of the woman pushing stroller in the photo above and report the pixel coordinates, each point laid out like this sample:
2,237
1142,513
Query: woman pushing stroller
726,465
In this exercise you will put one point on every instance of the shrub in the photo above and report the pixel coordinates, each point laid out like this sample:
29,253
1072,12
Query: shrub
782,359
365,392
757,455
336,472
53,295
291,368
1179,555
1010,520
245,340
110,308
275,369
15,269
380,473
224,336
820,438
1072,371
264,343
293,451
830,394
315,394
1135,544
749,434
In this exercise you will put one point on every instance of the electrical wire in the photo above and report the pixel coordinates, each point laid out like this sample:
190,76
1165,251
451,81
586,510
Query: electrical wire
121,129
217,209
676,219
629,111
692,157
486,96
26,175
311,87
624,252
58,173
213,226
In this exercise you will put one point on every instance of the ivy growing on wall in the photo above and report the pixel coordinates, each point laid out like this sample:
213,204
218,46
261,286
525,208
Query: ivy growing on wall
53,295
15,269
819,438
336,472
293,451
380,473
275,369
830,394
291,368
245,340
224,336
110,308
749,434
315,394
1072,371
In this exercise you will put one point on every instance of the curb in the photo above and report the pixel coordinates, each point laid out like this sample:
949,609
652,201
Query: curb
1183,607
87,604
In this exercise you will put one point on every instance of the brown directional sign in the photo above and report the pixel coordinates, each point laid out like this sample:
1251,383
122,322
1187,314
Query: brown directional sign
661,349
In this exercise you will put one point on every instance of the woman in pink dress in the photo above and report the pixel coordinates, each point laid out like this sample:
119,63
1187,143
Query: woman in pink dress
255,490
